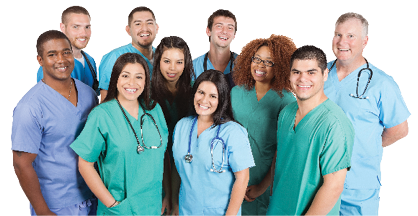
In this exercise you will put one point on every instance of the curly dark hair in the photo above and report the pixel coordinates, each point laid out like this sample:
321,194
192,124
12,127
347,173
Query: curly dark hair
159,89
281,49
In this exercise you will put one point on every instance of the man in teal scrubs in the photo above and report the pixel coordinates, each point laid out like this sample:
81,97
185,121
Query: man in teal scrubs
143,28
315,142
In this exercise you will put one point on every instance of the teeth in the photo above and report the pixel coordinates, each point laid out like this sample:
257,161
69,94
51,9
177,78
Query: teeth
223,38
203,107
171,74
260,72
144,35
304,86
344,49
81,39
131,90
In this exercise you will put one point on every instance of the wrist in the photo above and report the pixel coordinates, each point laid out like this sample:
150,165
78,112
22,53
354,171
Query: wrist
114,204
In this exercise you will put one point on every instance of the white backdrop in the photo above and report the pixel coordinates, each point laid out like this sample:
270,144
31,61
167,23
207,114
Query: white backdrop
392,47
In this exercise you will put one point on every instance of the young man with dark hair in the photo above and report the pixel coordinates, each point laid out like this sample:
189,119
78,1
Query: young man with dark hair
221,30
45,122
314,143
143,28
75,24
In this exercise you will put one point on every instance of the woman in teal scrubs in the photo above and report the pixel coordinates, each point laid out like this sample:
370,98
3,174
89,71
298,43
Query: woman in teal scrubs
211,152
262,77
171,87
127,136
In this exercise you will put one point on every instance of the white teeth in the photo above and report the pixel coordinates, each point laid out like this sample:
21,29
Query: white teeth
203,107
304,86
260,72
131,90
144,35
344,49
223,38
81,39
171,74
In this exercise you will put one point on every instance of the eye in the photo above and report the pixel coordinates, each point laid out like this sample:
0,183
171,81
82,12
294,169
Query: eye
124,76
139,77
88,27
67,53
214,96
180,62
167,61
76,26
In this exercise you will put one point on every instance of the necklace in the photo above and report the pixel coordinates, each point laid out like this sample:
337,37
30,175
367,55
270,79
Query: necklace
71,85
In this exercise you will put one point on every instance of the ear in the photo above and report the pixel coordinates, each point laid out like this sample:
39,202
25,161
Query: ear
207,31
128,30
325,74
62,27
365,41
40,61
156,29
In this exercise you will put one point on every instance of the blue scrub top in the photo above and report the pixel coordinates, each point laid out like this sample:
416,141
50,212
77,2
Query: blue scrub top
108,61
80,72
46,123
203,192
198,65
384,108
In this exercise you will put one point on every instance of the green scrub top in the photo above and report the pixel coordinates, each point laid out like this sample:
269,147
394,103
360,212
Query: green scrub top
133,179
319,145
259,118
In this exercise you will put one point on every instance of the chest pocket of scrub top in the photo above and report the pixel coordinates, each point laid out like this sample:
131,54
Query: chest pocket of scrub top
218,153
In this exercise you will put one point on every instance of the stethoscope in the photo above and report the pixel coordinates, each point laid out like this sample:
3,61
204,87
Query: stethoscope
231,65
140,148
189,157
358,80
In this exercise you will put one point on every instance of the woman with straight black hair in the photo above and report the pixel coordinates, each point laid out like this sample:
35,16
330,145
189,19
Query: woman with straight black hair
127,136
211,152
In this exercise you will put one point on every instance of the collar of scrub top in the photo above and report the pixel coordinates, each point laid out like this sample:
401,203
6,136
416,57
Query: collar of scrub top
358,80
231,59
140,147
189,157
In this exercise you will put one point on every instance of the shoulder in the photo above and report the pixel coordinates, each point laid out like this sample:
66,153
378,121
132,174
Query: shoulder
119,51
237,90
382,77
199,59
234,128
335,116
32,98
84,89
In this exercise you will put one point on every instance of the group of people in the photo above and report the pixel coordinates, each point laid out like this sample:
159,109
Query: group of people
275,130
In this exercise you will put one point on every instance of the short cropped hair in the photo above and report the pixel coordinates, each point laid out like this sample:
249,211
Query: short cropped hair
218,13
309,52
47,36
139,9
73,9
351,15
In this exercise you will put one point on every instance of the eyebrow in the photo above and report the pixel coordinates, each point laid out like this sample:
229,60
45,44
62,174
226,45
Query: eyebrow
269,57
54,51
135,21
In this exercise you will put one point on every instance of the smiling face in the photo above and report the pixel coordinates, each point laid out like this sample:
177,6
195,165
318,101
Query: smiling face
222,32
307,80
260,72
172,64
131,83
57,60
206,99
143,29
348,42
78,29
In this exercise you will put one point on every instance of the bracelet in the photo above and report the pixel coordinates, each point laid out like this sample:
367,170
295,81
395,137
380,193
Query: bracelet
113,204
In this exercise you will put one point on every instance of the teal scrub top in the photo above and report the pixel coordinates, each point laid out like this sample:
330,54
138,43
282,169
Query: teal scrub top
133,179
260,120
319,145
203,192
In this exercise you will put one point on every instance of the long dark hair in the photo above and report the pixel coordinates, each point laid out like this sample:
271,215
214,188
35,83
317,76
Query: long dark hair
223,113
159,89
121,62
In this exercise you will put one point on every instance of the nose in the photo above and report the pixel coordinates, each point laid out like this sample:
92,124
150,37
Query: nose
172,65
60,57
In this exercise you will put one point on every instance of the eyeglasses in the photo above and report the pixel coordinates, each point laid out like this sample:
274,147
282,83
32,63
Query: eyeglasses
257,60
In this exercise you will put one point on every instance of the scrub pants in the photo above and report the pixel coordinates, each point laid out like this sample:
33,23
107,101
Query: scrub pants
360,202
87,207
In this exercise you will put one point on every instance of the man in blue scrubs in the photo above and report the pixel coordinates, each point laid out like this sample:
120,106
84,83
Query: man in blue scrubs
221,29
143,28
377,111
75,24
45,122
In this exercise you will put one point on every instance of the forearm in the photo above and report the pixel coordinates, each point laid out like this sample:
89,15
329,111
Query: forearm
29,182
103,94
95,183
238,191
393,134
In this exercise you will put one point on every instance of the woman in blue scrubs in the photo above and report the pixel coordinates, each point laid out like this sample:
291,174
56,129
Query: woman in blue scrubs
127,136
211,152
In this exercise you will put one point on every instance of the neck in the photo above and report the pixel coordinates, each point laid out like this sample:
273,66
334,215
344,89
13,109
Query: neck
172,87
219,57
261,89
146,51
305,106
130,106
58,85
76,52
344,68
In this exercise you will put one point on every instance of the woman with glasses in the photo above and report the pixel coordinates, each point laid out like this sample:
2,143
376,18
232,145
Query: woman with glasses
261,74
127,136
211,152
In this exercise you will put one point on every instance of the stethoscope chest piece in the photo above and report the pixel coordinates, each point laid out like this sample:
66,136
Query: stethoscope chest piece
140,149
188,158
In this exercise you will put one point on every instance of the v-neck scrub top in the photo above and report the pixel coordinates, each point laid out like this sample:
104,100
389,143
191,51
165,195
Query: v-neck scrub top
133,179
259,118
46,123
203,192
320,144
384,107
